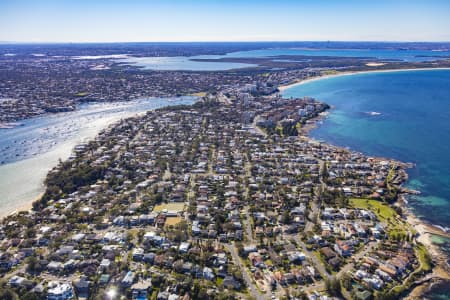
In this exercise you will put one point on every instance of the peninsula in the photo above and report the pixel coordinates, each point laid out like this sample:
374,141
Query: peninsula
224,199
229,150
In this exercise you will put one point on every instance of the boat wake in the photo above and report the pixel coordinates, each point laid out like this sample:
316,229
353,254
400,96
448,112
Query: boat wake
373,113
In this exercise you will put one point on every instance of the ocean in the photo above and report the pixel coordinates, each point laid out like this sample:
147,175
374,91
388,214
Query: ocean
403,115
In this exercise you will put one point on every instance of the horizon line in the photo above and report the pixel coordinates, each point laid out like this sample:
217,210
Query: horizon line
223,41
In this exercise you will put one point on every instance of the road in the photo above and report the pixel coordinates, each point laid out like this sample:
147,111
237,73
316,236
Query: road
246,195
248,281
314,214
257,128
367,248
248,226
323,272
316,262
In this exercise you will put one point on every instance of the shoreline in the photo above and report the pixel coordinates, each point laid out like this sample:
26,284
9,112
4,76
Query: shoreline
64,149
424,230
285,87
25,207
422,227
432,228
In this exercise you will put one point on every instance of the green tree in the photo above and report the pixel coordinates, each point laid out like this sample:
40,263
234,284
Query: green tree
30,296
8,294
286,218
333,286
347,282
32,264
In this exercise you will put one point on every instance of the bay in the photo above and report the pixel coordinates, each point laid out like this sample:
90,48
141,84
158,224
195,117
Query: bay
403,115
182,63
29,151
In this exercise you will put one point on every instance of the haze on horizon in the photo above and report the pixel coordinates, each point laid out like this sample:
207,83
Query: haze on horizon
232,20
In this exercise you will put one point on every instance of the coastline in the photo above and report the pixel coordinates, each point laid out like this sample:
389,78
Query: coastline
33,170
424,230
440,272
282,88
432,229
28,206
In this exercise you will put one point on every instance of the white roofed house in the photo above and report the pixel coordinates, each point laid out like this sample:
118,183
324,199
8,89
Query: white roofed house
127,279
20,282
55,267
184,247
59,291
138,254
347,191
208,273
78,237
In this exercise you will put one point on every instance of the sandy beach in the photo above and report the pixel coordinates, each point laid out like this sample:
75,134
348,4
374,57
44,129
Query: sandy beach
25,207
425,231
347,73
22,181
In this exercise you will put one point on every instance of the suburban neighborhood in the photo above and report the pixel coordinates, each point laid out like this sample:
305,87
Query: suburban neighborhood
224,199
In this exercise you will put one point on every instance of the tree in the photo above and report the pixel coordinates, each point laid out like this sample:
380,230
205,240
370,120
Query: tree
286,218
240,249
140,235
333,286
30,296
157,280
300,295
32,264
346,282
8,294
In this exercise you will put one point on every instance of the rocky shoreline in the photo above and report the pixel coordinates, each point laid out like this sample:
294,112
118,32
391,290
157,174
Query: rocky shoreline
441,271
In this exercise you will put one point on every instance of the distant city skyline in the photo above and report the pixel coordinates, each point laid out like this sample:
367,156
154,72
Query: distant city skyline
232,20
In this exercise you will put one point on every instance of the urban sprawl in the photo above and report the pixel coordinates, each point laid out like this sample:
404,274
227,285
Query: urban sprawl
224,199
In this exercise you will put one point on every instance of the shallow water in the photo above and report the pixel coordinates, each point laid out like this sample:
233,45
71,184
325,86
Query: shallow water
181,63
29,151
403,115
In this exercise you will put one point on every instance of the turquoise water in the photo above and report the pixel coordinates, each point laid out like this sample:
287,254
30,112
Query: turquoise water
403,115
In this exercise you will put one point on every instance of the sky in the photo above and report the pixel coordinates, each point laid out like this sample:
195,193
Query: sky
223,20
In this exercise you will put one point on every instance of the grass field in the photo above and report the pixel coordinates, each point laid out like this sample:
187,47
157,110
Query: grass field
172,221
178,207
424,258
382,210
385,214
